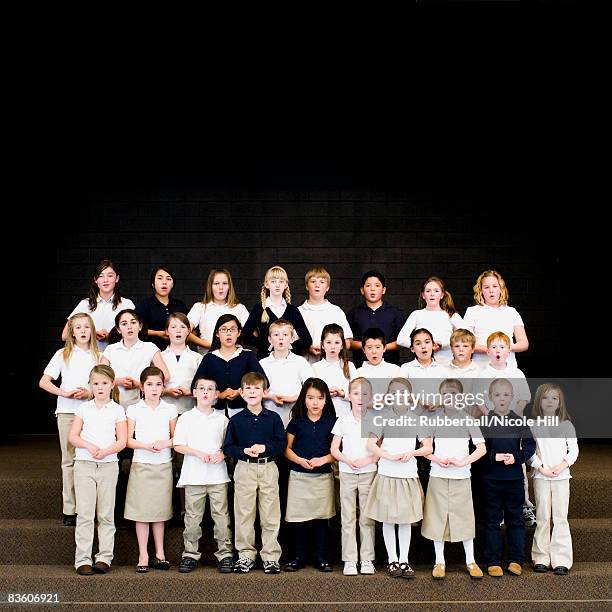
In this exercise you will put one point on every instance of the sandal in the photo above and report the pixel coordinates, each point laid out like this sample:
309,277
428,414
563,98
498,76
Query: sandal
142,569
156,563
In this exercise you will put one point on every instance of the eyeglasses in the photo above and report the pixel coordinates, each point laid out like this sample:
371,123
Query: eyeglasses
228,330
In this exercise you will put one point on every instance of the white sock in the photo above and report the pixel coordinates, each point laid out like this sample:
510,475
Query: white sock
439,548
404,533
388,530
468,546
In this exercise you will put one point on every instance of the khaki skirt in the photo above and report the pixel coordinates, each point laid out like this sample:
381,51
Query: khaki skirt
309,497
395,500
449,511
149,493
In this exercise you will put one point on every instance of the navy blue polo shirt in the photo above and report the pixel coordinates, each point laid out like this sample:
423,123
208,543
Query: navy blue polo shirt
386,317
246,428
154,314
312,439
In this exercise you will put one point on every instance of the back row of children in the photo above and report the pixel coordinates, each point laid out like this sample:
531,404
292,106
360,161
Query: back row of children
379,469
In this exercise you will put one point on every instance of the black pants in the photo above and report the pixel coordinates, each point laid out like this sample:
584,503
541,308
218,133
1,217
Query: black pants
318,528
504,500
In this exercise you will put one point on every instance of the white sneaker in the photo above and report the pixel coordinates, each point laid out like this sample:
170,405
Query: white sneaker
367,567
350,568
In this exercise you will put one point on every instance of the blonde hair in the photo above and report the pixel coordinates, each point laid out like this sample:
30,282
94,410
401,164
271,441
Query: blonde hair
70,343
281,323
108,372
503,290
500,381
446,303
400,381
231,300
541,391
273,273
454,383
319,271
498,335
463,335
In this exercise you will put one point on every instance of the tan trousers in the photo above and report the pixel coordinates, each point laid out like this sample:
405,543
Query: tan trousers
552,502
195,504
351,487
256,484
64,422
95,484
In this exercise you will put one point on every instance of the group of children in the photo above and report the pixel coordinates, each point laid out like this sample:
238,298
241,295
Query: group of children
224,405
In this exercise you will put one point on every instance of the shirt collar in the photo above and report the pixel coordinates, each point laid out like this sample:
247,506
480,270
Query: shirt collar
270,305
139,344
307,306
239,350
101,300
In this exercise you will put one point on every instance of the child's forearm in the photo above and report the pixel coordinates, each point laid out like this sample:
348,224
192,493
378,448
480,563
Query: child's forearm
186,450
78,442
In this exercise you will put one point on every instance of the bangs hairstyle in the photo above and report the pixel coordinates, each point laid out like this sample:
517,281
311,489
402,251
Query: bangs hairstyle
343,355
503,294
541,391
373,333
281,323
299,408
446,301
195,382
500,381
416,332
105,370
463,335
93,289
400,381
226,318
319,271
360,380
373,274
253,378
151,371
179,316
70,343
156,269
273,273
498,335
455,383
231,300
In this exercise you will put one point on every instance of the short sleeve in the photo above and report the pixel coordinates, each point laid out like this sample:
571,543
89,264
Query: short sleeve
180,432
346,328
120,414
131,412
469,318
242,313
79,411
517,320
457,321
476,434
195,314
82,306
172,412
338,429
292,427
306,371
403,338
54,367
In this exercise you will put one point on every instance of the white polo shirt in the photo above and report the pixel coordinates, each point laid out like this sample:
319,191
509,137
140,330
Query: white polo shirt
379,375
482,321
99,428
333,374
182,371
424,379
438,323
74,373
318,316
129,362
553,445
395,446
466,375
204,432
353,446
151,424
446,447
205,316
104,315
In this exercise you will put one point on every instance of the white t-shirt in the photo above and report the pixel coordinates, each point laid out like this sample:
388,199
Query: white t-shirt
553,445
204,432
99,428
151,424
354,446
182,372
482,321
379,376
333,374
438,323
74,373
317,316
129,362
205,317
446,447
104,315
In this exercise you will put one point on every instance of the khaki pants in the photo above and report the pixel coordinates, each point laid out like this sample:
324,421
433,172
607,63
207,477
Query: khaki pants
351,487
552,502
64,422
95,484
195,504
256,484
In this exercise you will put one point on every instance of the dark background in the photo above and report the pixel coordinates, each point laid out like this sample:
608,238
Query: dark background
450,212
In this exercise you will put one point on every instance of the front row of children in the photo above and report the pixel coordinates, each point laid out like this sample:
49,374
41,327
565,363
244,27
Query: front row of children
378,473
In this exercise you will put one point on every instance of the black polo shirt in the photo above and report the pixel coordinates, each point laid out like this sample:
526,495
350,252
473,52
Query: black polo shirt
246,428
312,439
154,314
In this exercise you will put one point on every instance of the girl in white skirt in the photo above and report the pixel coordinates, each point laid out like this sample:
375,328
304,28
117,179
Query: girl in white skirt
396,495
149,492
449,510
310,497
